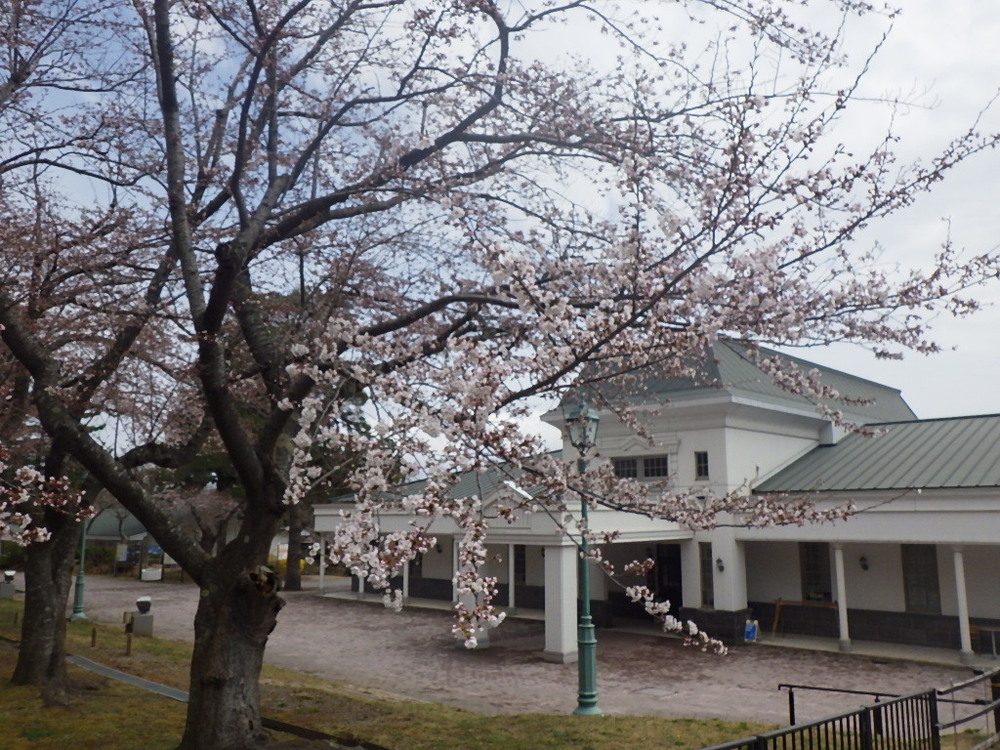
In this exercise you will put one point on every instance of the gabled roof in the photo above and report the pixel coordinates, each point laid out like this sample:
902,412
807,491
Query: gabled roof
113,523
957,452
729,369
484,484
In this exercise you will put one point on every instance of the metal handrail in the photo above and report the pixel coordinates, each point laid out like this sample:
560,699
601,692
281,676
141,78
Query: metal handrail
759,741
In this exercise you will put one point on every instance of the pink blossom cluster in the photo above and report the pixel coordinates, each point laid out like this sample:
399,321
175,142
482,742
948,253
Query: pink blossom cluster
25,493
660,610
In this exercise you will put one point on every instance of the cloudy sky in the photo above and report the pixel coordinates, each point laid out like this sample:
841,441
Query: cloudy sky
944,58
946,55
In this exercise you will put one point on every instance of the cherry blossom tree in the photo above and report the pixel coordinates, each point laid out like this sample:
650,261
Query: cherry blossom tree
476,219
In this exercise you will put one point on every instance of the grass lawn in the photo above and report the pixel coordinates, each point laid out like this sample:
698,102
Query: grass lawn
108,714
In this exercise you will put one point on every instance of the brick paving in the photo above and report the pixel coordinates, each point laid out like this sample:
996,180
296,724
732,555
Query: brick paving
412,654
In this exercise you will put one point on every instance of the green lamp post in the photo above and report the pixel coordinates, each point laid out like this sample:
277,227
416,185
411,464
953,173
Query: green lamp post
581,424
78,590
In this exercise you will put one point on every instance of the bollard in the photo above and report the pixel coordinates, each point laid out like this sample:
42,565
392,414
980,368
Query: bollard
93,637
142,618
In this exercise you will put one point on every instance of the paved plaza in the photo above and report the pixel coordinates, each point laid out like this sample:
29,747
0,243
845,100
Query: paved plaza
412,654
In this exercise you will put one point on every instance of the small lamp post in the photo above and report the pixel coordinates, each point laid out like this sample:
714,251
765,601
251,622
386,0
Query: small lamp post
78,613
581,424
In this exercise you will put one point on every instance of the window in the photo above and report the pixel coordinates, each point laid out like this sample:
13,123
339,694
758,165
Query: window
520,563
626,468
814,565
655,466
707,575
648,467
701,464
920,578
417,567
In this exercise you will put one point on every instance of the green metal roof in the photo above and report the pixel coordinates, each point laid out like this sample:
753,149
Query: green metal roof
467,484
729,369
112,523
957,452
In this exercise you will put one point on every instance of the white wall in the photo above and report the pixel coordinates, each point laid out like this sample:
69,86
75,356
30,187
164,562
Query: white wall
773,571
534,566
982,580
754,455
438,564
881,586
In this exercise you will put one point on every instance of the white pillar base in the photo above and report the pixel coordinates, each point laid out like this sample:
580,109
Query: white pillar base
561,658
560,604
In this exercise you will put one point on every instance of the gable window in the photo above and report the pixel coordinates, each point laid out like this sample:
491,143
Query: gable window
920,578
647,467
814,565
701,464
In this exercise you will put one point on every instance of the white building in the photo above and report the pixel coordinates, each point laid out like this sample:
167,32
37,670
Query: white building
918,564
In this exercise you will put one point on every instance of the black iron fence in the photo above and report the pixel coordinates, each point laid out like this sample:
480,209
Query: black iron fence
902,723
905,722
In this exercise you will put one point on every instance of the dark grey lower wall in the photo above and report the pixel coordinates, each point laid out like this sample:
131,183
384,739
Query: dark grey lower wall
726,625
911,628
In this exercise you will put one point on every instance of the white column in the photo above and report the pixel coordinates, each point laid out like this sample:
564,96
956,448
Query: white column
690,578
838,566
406,581
560,604
511,602
730,583
963,606
454,569
322,563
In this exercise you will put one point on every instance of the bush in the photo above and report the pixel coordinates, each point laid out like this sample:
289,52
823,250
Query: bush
281,566
12,557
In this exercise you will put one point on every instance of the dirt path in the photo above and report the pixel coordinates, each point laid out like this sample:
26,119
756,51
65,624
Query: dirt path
412,654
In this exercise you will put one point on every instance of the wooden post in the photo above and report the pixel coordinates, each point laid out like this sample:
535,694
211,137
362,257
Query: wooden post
995,696
93,637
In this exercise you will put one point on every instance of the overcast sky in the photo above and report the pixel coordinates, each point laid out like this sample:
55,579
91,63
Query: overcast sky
946,57
951,51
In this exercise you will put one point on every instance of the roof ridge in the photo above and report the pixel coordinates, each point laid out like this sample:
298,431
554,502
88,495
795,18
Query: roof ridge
825,368
932,419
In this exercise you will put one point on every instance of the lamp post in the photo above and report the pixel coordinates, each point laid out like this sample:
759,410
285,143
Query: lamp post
581,424
78,590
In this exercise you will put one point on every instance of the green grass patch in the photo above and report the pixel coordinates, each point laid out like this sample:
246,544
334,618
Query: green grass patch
107,714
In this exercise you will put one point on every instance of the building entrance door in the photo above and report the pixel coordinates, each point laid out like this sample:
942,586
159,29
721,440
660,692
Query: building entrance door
668,576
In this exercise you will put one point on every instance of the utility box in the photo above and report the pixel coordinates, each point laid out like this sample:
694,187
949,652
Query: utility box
142,625
140,622
7,588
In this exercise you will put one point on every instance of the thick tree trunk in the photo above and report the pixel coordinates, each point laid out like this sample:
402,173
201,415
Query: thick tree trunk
48,573
231,628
